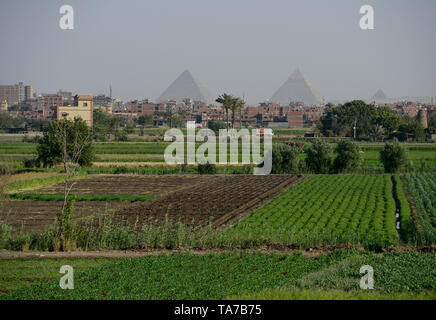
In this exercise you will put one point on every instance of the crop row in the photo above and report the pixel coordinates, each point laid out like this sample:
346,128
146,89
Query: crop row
422,188
331,209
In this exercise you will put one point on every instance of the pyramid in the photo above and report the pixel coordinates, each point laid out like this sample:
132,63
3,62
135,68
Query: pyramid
297,89
379,96
186,86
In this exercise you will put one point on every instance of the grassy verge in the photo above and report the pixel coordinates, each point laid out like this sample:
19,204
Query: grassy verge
81,197
281,294
18,273
24,185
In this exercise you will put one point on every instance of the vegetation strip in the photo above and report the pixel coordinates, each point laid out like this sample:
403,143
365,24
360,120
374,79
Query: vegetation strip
217,276
422,188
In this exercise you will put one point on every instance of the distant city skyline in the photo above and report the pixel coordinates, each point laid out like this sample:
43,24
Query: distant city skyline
245,47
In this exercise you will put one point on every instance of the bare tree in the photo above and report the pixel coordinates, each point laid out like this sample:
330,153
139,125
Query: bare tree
73,143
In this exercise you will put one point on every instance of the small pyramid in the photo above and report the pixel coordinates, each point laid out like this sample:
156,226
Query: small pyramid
379,96
297,89
186,86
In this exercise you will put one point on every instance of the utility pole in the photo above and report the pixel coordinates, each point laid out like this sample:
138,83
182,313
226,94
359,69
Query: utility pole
355,123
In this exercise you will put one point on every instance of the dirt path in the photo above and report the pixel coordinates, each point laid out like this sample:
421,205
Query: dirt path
397,205
310,252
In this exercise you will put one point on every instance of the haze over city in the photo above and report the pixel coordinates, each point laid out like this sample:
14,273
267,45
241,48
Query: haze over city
243,47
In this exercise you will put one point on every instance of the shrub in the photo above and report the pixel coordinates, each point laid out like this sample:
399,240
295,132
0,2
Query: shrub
32,163
318,157
206,168
215,125
121,170
393,156
285,159
349,158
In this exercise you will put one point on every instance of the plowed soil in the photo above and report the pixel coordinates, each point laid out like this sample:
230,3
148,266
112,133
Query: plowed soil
217,200
191,199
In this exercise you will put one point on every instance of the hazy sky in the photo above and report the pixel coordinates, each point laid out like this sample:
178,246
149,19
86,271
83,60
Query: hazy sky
235,46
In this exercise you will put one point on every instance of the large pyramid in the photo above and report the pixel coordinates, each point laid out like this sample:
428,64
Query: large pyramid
379,96
297,89
186,86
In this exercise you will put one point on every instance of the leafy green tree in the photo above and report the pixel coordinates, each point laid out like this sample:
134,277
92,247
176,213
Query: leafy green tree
318,158
388,119
9,122
411,126
285,159
376,132
104,125
145,120
66,142
393,156
348,158
216,125
339,120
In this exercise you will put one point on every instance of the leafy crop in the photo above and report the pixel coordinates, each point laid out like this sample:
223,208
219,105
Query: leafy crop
216,276
327,210
422,188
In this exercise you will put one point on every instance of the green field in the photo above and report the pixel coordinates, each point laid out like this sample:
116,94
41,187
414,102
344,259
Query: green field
422,188
14,154
327,209
226,275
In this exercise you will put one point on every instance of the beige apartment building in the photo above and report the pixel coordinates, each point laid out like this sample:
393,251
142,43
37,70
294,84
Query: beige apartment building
83,108
4,105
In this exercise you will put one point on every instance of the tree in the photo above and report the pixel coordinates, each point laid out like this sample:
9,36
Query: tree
285,159
145,120
226,100
318,158
175,118
339,120
393,156
411,126
348,158
216,125
376,132
66,141
104,125
432,123
70,143
9,122
237,104
388,119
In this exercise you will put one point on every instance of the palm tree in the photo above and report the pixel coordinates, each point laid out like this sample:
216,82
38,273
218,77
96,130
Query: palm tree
376,132
238,104
226,100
